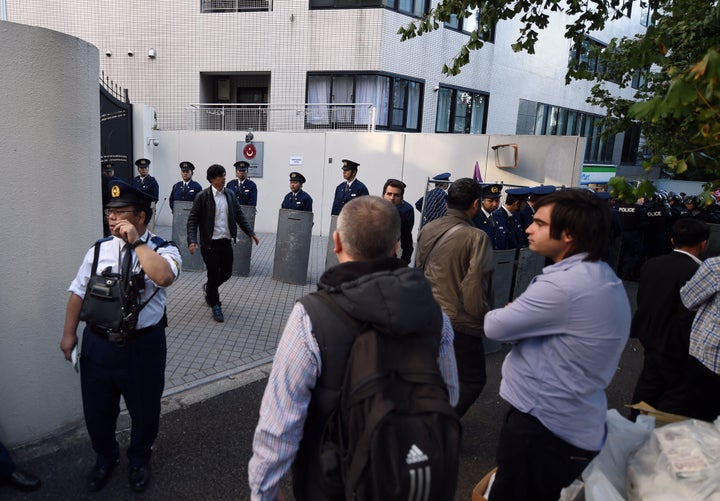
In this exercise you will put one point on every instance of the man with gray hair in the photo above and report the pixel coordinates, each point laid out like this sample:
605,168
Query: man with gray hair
457,259
369,285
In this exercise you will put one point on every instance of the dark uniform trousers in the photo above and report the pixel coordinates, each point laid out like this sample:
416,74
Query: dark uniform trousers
534,463
137,372
218,261
7,467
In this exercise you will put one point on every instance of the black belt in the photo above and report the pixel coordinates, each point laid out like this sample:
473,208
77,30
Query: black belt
109,335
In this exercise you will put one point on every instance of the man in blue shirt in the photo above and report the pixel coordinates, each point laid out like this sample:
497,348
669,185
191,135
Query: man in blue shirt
297,199
568,330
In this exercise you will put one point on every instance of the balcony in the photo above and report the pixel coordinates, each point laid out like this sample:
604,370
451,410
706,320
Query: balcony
270,117
235,5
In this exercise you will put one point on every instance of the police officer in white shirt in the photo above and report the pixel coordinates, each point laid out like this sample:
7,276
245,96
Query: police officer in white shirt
123,350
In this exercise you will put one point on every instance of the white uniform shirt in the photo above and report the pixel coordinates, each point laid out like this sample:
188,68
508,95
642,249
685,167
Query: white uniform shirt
111,255
220,229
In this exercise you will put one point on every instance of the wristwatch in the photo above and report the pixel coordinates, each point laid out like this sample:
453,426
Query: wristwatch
137,242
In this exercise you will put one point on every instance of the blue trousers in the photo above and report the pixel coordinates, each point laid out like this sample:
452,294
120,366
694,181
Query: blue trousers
137,372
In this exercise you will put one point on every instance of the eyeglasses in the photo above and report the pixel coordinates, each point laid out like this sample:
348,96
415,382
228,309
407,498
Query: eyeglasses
116,212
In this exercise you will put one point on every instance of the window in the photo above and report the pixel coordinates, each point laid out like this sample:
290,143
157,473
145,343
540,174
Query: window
646,14
639,79
556,121
586,58
461,111
470,24
411,7
234,5
397,100
631,145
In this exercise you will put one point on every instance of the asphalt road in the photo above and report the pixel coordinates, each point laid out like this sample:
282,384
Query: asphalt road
203,448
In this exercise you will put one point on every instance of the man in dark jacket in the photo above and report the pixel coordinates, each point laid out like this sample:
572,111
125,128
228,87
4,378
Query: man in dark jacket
661,322
394,192
217,214
371,286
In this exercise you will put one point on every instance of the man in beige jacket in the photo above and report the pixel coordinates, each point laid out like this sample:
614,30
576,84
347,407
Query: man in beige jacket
457,260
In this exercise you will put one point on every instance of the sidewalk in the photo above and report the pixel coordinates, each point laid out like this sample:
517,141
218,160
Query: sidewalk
202,351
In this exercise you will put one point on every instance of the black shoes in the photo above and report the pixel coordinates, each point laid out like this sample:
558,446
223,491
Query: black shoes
100,474
23,481
217,313
139,477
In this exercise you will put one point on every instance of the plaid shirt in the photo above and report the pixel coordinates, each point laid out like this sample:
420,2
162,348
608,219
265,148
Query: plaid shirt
287,395
701,294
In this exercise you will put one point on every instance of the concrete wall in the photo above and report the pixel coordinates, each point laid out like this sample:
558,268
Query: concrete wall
50,151
409,157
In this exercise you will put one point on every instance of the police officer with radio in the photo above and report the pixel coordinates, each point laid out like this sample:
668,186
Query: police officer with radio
120,293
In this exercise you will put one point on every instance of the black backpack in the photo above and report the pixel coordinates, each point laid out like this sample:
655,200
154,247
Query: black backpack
394,434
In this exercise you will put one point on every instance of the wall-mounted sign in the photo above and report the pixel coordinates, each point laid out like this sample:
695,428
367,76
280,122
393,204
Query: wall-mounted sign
296,161
254,154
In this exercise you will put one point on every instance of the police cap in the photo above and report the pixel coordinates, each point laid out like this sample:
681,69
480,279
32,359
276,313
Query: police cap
107,166
241,165
441,178
187,166
143,163
518,192
602,195
541,190
492,191
349,164
122,194
297,178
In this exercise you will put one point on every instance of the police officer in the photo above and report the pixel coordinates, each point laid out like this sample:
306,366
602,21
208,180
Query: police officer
435,200
108,174
144,181
348,189
631,249
509,233
129,359
527,213
657,225
297,199
245,189
489,203
185,190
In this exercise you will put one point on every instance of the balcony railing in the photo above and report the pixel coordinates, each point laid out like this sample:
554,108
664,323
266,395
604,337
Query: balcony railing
234,5
272,117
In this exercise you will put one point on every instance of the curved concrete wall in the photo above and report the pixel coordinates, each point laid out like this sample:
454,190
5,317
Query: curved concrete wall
50,153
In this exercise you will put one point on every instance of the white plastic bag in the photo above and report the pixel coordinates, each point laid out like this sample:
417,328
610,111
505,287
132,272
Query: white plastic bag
609,468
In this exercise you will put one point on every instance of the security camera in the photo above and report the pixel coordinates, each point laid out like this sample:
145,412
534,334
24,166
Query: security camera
156,142
436,88
249,136
108,53
130,53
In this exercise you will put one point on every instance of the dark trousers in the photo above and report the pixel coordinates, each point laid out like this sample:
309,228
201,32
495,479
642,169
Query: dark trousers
137,372
218,261
533,463
7,467
470,356
660,383
702,387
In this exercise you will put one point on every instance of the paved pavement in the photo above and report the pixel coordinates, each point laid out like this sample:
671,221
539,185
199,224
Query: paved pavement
216,374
